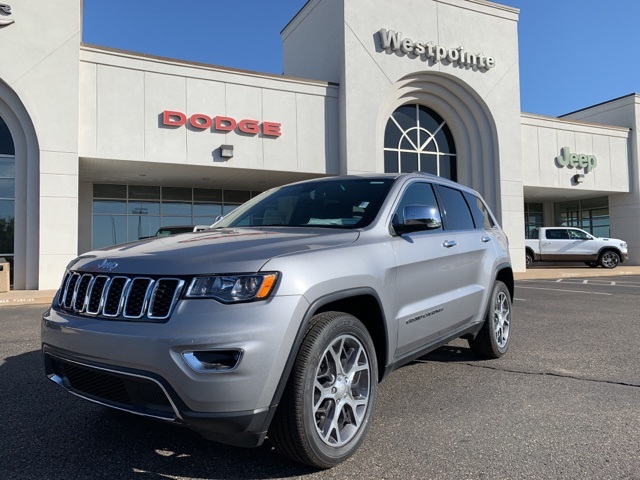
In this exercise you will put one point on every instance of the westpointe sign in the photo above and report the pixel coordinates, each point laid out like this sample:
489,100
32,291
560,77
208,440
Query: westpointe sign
395,42
201,121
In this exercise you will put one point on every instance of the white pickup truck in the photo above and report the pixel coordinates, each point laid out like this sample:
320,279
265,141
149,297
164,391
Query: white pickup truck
566,244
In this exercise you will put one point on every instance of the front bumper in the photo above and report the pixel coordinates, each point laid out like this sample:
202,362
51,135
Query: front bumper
140,366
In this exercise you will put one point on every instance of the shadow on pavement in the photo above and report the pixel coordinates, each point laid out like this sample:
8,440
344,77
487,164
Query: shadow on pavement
450,353
48,433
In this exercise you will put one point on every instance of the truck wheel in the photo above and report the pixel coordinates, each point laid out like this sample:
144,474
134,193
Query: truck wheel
528,259
492,340
327,406
609,259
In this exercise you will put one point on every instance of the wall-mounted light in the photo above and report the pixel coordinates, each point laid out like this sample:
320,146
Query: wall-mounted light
226,151
578,178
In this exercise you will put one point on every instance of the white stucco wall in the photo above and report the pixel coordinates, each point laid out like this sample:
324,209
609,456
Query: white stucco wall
542,141
316,33
39,90
123,96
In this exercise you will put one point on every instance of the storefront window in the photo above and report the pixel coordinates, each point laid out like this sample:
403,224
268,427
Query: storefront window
7,195
418,139
124,213
532,218
591,215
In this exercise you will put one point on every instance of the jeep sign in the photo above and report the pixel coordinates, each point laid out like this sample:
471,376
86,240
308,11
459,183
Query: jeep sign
576,160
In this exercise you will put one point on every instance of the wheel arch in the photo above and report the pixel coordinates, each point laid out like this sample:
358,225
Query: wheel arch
504,273
609,248
364,304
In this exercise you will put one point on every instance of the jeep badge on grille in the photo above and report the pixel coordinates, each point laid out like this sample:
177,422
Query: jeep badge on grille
107,265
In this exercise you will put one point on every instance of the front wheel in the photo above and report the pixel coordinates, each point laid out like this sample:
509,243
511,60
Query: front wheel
493,338
609,259
327,406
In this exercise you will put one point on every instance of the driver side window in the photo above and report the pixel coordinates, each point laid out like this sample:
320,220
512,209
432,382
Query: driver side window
416,194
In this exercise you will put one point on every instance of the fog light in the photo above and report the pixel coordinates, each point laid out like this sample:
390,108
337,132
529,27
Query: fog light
213,360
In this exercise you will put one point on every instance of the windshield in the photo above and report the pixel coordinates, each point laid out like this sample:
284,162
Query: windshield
340,203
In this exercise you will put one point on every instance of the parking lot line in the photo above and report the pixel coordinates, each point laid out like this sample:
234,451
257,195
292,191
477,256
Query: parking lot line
562,290
598,282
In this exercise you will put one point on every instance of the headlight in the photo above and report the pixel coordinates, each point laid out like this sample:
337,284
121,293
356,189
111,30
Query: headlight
233,288
623,245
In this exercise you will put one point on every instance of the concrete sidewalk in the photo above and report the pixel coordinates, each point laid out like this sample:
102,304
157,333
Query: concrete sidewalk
570,270
27,297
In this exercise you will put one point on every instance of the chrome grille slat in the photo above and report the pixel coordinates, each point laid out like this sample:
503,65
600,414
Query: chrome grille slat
163,292
120,297
115,295
134,306
69,297
95,299
80,297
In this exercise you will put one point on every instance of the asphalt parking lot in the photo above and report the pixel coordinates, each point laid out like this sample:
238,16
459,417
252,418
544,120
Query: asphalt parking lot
564,403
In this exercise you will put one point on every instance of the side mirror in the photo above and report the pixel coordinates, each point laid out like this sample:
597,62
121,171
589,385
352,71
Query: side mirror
418,218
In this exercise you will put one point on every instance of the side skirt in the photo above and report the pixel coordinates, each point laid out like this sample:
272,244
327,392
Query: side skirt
467,332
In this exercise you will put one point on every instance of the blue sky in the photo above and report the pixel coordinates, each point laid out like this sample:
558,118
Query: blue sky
573,53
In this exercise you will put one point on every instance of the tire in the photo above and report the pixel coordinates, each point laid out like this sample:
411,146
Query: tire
609,259
328,403
493,338
528,259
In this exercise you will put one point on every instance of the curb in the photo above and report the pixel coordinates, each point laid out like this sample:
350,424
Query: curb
26,297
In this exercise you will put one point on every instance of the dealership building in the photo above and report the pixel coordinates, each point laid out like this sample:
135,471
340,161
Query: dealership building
101,146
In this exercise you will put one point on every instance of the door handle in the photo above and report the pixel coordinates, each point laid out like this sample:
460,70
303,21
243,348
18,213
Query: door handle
449,243
485,239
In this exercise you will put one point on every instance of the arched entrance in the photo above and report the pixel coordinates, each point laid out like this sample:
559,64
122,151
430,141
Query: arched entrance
20,179
470,146
7,195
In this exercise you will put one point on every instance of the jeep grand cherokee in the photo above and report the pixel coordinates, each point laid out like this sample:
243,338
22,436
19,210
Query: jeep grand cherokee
282,318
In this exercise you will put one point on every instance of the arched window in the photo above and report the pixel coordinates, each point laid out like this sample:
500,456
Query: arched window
7,193
418,139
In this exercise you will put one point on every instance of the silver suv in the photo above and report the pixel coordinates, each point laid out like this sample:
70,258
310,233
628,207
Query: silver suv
282,318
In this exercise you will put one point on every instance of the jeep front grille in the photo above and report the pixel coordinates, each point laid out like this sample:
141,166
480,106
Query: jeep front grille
120,297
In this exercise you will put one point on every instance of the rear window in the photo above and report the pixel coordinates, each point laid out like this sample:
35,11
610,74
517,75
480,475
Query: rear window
480,212
557,234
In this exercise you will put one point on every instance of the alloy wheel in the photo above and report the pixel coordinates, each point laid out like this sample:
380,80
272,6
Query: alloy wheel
502,319
341,390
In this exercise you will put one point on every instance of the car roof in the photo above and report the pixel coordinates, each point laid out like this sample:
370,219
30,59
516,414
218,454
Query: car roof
394,176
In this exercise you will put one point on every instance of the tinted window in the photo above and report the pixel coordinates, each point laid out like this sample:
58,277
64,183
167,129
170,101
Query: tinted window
456,209
416,194
479,211
557,234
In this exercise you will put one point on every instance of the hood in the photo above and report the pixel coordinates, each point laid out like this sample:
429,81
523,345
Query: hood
607,239
212,251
